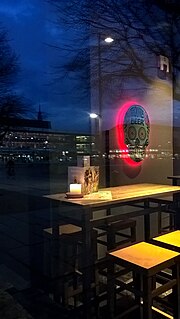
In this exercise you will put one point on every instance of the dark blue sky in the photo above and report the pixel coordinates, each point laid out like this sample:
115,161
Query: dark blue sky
31,29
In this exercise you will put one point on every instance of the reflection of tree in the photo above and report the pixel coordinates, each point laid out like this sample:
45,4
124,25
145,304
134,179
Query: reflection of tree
140,28
12,106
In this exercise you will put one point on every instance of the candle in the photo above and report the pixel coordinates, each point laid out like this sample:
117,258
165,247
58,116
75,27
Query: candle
75,188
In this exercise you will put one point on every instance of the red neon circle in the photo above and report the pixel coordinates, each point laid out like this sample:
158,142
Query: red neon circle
120,132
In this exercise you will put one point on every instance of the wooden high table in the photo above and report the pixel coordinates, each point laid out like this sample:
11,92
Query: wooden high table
84,216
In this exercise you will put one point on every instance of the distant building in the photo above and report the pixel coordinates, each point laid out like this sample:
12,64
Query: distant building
28,145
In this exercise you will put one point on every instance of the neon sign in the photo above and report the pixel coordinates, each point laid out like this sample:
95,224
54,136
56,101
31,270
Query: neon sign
132,128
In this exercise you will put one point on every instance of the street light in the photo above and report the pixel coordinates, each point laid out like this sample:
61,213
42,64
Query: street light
108,40
97,117
93,115
98,132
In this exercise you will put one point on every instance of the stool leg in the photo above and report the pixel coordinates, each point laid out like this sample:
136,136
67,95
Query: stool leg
147,298
110,289
176,292
137,285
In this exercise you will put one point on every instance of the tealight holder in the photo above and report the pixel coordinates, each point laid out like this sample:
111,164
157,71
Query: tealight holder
75,191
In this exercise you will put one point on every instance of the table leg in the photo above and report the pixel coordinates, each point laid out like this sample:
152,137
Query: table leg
147,299
176,201
146,222
174,182
56,265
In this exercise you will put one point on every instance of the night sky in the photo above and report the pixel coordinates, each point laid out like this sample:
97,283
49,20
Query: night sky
31,29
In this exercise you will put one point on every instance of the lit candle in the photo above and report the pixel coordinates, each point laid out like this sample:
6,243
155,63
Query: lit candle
75,188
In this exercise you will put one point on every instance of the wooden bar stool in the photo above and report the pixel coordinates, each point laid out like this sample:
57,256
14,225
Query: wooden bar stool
146,261
171,241
117,233
63,262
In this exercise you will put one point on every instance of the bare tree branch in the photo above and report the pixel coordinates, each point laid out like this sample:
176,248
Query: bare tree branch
139,28
11,105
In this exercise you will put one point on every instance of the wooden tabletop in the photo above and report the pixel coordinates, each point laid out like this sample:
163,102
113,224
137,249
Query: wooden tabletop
119,194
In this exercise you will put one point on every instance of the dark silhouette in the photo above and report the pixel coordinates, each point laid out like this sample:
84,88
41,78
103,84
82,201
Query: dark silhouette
10,167
12,106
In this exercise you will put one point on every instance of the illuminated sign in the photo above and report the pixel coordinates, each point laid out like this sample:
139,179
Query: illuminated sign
133,128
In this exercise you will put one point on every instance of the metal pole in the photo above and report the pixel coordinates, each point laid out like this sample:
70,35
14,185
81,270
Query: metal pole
103,139
100,140
99,77
107,159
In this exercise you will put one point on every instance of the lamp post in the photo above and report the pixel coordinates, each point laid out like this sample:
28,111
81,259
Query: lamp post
106,40
97,115
102,146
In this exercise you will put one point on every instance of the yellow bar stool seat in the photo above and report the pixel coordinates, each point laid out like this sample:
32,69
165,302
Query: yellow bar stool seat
170,240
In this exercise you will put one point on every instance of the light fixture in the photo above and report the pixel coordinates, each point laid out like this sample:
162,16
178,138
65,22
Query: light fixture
93,115
108,40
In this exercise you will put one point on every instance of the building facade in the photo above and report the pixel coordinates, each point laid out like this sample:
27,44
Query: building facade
39,145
